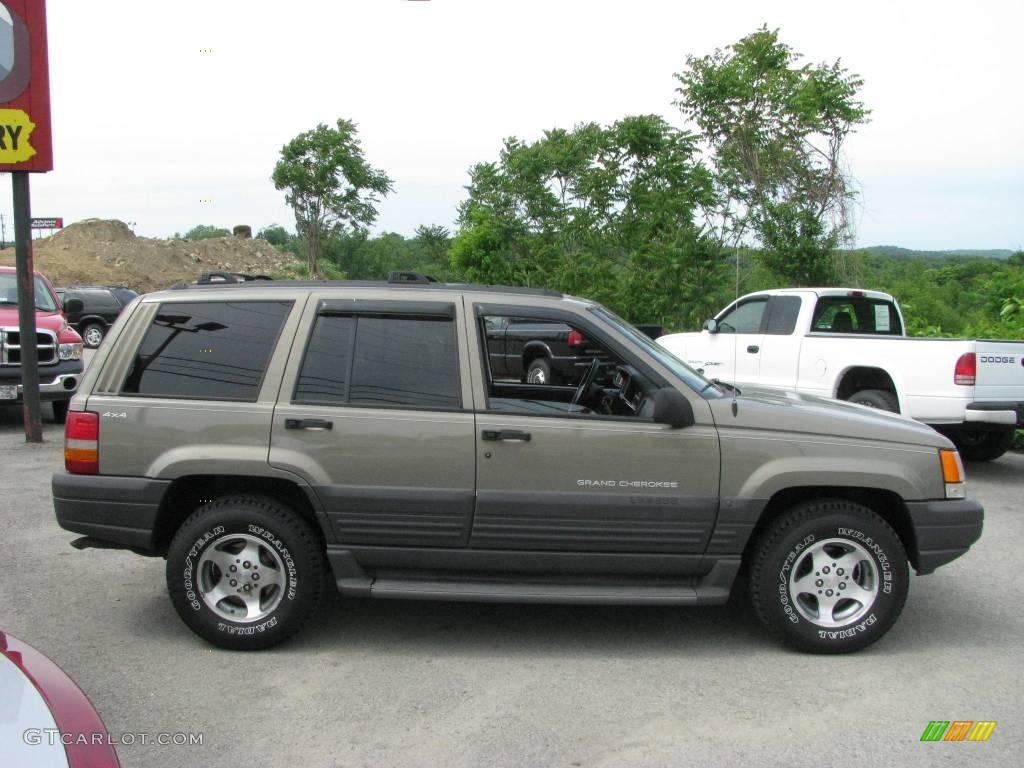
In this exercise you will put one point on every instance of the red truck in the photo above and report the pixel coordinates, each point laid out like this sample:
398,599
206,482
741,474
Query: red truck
59,346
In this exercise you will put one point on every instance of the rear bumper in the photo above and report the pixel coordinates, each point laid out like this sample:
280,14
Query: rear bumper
119,510
944,530
1008,413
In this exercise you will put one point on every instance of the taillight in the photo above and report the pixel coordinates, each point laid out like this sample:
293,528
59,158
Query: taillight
966,370
82,443
576,338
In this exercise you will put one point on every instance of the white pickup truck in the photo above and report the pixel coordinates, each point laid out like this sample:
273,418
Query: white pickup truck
850,345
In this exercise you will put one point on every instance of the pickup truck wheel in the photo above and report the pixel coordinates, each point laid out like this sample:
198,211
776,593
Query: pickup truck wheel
539,372
876,398
245,572
978,445
92,335
829,576
60,411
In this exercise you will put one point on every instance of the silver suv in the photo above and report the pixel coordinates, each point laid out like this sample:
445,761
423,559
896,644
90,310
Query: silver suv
268,438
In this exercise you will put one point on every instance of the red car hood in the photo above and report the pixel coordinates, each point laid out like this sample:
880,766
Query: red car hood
50,321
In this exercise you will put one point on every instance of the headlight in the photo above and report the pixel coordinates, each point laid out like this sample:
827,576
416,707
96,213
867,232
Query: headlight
952,474
70,351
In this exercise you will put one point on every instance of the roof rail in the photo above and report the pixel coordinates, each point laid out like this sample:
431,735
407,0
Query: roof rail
410,277
205,278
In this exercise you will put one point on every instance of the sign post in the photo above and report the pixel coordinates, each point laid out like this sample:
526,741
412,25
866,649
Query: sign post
25,147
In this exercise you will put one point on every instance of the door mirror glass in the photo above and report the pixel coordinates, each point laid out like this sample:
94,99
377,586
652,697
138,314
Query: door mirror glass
711,326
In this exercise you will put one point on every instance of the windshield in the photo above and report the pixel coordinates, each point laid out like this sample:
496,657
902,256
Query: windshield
685,373
9,292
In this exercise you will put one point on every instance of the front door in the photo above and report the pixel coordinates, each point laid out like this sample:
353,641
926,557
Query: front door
594,475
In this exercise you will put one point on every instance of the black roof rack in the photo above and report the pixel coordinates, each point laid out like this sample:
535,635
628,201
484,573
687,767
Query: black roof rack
410,277
415,282
229,277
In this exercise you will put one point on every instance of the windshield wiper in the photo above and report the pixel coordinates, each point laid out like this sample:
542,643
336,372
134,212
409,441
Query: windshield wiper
721,385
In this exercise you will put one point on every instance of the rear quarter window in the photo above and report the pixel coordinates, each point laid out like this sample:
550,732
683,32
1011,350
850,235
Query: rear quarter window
207,350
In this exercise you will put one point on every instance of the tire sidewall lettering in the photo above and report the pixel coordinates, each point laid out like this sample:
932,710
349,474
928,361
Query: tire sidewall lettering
247,629
289,563
188,572
783,586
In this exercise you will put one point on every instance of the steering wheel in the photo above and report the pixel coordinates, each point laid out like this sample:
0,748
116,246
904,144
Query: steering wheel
586,381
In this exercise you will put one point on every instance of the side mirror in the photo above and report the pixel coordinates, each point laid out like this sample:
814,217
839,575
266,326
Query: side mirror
711,326
670,407
73,306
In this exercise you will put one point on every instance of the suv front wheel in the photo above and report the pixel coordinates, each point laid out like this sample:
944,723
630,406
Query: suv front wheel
829,576
245,572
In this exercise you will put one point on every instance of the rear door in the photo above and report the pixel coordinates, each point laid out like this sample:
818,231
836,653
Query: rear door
372,414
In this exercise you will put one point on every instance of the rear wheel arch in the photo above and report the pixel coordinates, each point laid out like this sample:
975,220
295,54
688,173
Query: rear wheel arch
190,492
533,351
85,320
860,378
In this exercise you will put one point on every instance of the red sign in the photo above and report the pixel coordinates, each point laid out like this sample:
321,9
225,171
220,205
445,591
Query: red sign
50,223
25,138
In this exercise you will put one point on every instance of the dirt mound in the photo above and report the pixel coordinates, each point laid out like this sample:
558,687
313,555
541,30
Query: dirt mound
107,252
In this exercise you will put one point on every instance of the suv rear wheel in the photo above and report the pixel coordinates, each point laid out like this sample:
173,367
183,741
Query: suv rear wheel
245,572
829,576
93,335
978,445
60,410
539,372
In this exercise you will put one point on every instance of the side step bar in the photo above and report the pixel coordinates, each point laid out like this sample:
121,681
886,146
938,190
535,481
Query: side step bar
512,592
710,589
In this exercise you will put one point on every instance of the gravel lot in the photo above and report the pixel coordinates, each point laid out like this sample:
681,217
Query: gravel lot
386,683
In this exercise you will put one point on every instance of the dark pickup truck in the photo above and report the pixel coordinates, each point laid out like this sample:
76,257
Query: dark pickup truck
537,352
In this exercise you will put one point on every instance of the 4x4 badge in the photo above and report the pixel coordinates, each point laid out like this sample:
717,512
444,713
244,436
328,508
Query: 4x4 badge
115,415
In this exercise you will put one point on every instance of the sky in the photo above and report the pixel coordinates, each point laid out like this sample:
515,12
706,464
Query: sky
168,115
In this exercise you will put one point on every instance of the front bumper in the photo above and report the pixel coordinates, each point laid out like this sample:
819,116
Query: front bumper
118,510
944,530
56,382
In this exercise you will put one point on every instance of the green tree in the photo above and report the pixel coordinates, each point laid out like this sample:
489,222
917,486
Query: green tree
276,235
329,185
602,211
205,232
773,130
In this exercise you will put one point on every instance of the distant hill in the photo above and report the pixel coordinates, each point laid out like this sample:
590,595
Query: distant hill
895,252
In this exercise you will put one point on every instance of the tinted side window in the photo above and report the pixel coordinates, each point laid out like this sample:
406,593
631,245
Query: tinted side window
382,360
782,313
327,364
744,318
210,350
99,300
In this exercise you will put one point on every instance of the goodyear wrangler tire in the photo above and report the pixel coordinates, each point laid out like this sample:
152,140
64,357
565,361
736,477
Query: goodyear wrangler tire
245,572
829,576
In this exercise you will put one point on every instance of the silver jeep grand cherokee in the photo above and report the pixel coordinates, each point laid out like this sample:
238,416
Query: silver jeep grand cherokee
266,437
